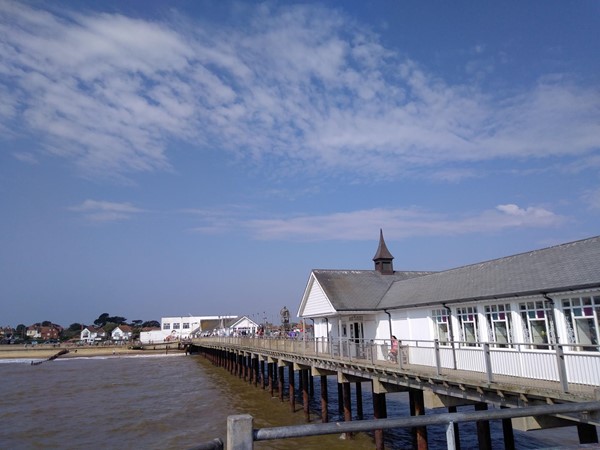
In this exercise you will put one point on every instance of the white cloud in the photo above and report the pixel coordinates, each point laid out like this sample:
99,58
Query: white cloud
398,223
592,199
103,211
298,84
26,157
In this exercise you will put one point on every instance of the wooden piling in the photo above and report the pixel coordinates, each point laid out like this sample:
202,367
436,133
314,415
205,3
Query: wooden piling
280,381
417,408
379,412
270,377
305,396
587,433
359,405
291,388
324,413
484,436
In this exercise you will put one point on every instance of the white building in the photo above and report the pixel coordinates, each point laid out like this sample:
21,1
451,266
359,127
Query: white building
180,327
526,301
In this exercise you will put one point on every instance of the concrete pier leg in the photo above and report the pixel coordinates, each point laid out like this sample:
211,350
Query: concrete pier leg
291,388
587,433
324,414
417,408
452,409
262,374
305,396
270,378
484,436
359,405
311,382
340,399
507,432
280,381
379,412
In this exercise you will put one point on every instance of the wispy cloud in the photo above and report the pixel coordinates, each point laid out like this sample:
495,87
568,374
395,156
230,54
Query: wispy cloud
399,223
103,211
26,157
294,85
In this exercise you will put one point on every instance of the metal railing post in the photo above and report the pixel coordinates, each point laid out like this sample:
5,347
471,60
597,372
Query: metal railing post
488,361
240,435
438,361
562,368
450,438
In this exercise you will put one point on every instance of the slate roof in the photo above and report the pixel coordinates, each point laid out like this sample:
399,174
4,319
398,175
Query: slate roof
354,290
213,324
575,265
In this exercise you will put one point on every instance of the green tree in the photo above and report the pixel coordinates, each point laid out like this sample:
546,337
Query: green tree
101,320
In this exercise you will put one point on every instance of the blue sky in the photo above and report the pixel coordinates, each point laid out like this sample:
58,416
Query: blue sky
164,159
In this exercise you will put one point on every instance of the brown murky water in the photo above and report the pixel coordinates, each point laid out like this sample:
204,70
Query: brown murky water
176,402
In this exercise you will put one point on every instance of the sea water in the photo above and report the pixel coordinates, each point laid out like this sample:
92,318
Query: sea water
178,402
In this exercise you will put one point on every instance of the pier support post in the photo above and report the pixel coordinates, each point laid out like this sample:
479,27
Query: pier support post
483,429
587,433
255,369
262,373
359,405
270,377
340,399
311,384
305,397
417,408
291,388
280,380
324,414
507,432
379,412
347,402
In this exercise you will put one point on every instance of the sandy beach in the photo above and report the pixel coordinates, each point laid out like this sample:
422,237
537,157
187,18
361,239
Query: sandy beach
43,351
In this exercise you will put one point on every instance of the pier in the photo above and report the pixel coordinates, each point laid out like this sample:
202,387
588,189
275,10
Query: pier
547,377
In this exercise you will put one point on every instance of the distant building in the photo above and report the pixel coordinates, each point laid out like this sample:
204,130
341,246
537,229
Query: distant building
121,333
183,327
92,335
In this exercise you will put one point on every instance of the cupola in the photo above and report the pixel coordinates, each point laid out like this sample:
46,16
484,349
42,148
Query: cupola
383,258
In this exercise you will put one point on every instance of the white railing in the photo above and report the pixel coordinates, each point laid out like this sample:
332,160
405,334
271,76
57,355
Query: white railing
565,365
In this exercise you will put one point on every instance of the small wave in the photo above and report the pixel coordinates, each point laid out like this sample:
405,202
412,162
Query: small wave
19,360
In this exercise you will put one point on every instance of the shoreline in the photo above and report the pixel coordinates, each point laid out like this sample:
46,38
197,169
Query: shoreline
77,352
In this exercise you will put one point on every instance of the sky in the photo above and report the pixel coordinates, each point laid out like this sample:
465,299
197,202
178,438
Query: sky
202,157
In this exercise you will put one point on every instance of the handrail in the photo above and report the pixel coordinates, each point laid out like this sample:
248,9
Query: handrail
241,435
526,361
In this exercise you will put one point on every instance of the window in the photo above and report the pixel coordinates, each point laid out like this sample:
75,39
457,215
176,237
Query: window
582,315
441,322
499,324
186,325
537,323
176,326
166,326
467,319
